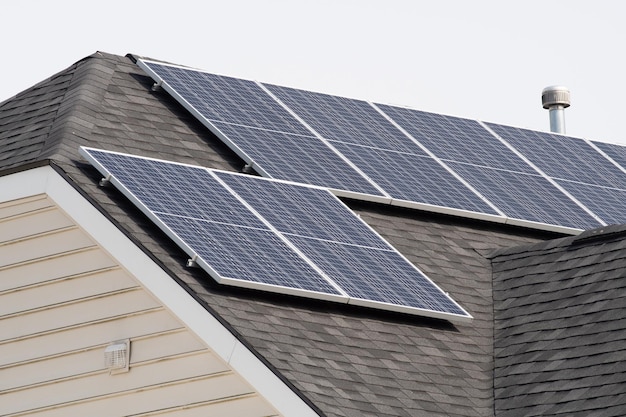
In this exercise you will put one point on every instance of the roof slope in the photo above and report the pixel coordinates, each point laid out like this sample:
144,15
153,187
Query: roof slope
560,327
27,119
346,361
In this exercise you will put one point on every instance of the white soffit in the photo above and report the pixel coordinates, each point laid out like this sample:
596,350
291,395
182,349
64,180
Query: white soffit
45,180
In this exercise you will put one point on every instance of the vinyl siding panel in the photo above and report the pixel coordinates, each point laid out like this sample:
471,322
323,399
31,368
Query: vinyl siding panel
51,243
166,401
84,336
65,290
90,360
90,386
67,264
63,299
72,314
32,224
24,205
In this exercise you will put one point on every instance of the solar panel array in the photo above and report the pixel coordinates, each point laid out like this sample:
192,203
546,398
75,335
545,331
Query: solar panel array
491,167
272,235
260,130
407,157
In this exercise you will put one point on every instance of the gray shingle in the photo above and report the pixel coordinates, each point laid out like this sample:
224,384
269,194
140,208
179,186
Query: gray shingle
560,326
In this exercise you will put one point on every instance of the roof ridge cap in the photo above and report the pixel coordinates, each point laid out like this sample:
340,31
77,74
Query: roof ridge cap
70,116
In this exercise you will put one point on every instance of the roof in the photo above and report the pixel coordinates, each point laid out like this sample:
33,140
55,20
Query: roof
346,361
560,328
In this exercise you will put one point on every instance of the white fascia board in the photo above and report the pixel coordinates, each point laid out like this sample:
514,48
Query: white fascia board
45,180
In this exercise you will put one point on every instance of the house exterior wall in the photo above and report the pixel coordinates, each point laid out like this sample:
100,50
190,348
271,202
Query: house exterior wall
63,299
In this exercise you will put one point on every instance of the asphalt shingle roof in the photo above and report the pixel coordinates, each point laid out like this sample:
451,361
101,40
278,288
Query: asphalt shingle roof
346,361
560,326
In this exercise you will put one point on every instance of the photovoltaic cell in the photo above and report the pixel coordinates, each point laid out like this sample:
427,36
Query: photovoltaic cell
345,120
227,99
607,203
312,212
456,139
563,157
177,189
414,178
303,159
526,196
190,203
355,150
243,253
616,152
261,233
384,276
260,130
340,244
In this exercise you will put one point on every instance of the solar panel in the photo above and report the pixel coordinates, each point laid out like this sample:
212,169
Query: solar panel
390,154
607,203
341,245
616,152
227,99
205,219
345,120
313,212
456,139
191,191
242,255
260,233
414,178
529,197
259,129
381,151
517,189
303,159
384,276
563,157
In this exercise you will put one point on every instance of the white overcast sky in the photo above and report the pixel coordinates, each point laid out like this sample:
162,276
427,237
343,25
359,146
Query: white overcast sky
486,60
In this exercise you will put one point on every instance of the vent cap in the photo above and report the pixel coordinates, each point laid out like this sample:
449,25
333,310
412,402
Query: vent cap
555,95
117,356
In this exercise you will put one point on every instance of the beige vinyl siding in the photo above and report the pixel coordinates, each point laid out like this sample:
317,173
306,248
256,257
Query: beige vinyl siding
63,299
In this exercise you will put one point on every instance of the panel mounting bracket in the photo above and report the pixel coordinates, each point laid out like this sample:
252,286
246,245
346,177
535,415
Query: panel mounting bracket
247,169
156,86
191,262
104,182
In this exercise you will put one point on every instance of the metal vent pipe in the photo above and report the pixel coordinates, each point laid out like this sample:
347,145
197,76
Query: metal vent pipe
556,99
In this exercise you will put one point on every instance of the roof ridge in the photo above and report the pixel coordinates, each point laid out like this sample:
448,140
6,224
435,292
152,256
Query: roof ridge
74,116
36,122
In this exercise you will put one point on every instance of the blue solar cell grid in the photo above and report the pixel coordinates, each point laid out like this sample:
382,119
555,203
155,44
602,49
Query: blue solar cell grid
526,196
297,210
414,178
248,254
344,247
261,131
383,162
345,120
384,276
298,158
563,157
182,190
456,139
227,99
190,203
607,203
616,152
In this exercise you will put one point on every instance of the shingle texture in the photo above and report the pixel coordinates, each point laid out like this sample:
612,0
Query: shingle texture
344,361
560,327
